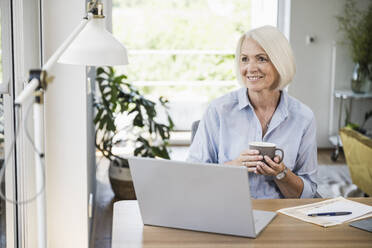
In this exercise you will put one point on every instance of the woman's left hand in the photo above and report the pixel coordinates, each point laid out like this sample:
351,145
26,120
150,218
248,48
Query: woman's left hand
270,168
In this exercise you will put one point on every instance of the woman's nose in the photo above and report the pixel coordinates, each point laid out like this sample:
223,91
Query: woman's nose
250,67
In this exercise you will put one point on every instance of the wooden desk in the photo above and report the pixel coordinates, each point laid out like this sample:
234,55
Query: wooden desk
283,231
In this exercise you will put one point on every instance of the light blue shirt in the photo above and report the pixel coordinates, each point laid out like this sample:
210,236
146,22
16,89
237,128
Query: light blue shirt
230,124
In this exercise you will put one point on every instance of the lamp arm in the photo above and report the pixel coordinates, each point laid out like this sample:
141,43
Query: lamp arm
34,83
27,91
53,59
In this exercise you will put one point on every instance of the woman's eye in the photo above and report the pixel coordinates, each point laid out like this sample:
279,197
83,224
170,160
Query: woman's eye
262,59
244,59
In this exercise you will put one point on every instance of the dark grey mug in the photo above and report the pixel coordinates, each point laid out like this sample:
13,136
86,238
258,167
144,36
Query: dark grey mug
266,148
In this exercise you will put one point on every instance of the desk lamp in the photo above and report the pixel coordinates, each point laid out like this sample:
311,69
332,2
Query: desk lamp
89,44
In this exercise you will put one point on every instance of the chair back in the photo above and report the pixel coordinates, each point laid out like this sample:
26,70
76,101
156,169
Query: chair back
194,128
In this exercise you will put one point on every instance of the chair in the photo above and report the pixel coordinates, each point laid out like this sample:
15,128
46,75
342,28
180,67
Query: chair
194,128
358,154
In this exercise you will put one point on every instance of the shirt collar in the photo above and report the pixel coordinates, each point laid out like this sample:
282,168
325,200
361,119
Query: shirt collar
243,98
283,104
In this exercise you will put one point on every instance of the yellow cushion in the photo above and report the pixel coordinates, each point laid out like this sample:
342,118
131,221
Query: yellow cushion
358,153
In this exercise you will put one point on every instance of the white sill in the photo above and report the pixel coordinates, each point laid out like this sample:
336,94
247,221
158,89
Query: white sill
180,138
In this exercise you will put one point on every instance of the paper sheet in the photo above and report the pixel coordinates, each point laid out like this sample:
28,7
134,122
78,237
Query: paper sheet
339,204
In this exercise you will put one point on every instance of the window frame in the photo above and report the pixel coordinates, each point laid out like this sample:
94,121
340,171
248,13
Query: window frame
7,91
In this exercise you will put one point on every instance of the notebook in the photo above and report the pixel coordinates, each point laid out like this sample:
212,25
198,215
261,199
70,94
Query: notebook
339,204
196,196
365,224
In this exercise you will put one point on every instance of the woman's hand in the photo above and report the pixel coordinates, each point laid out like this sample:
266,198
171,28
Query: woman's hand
270,168
248,158
291,186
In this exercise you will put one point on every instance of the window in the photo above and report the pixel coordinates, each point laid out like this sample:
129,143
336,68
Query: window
184,50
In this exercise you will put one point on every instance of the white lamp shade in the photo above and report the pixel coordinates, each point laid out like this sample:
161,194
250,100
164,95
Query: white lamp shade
95,46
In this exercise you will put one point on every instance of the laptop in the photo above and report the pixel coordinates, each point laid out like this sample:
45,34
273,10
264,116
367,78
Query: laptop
196,196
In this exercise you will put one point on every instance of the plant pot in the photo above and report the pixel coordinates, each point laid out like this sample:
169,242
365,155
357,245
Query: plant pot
121,180
360,82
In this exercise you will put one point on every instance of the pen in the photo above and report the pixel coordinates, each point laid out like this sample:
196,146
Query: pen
329,214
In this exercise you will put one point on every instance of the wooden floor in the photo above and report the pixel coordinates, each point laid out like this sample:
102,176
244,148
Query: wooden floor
324,157
105,198
101,232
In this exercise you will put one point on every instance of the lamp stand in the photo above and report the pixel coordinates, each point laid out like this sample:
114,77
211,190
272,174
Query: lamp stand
40,170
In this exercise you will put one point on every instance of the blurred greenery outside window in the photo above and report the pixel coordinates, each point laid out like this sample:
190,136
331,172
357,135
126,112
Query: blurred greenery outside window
181,49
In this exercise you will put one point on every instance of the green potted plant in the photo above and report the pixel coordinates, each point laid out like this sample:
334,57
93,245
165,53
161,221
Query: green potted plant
143,133
357,28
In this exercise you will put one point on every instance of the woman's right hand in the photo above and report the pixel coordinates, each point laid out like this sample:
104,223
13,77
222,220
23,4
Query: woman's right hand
248,158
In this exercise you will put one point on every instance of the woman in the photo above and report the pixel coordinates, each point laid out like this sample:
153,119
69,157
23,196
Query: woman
262,111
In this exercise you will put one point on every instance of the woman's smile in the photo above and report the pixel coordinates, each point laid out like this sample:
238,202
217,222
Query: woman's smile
254,78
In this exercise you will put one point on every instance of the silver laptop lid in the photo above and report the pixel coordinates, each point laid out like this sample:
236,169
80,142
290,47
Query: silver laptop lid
202,197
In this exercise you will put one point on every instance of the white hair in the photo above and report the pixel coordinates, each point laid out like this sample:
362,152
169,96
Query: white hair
277,48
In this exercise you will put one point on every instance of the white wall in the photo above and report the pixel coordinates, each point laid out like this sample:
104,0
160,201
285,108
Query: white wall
312,81
68,154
